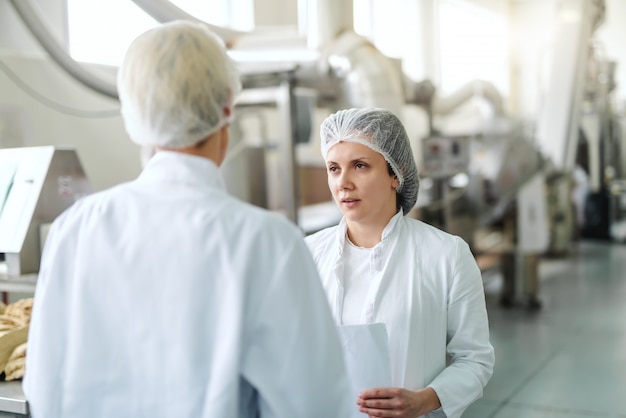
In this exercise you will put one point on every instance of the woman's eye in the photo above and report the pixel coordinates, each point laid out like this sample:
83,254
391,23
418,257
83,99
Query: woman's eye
332,169
360,165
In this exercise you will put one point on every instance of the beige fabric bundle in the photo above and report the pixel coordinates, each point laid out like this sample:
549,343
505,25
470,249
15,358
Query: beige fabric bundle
20,310
8,323
14,322
9,342
16,363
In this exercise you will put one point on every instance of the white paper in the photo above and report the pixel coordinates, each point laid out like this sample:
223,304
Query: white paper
366,351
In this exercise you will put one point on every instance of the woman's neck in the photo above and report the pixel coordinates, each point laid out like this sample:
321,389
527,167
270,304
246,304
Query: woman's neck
366,235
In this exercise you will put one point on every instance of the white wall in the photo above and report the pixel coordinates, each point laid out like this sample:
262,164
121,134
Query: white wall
532,26
276,12
532,50
106,153
13,34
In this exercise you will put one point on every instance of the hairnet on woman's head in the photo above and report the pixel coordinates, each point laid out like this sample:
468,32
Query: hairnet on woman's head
175,85
381,131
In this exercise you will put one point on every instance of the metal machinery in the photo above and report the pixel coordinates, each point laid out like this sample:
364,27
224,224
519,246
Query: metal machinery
36,185
580,134
601,155
487,187
476,177
245,169
508,190
332,66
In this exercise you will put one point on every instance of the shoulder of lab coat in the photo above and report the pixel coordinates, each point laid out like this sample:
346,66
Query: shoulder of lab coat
471,355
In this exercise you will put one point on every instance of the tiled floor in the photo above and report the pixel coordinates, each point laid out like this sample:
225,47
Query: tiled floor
567,360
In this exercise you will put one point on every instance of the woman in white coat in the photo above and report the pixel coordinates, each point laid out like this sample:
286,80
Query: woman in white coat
379,266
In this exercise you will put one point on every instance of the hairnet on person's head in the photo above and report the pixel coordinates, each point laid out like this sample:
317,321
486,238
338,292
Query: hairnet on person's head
381,131
175,85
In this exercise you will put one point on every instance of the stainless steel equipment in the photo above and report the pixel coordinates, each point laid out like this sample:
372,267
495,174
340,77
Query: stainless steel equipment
559,119
12,400
266,86
601,150
477,176
37,184
617,210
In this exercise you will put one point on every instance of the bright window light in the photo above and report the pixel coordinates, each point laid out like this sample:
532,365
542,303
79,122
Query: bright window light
473,45
100,31
391,26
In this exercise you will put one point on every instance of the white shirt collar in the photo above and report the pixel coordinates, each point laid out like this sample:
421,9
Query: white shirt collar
342,230
172,166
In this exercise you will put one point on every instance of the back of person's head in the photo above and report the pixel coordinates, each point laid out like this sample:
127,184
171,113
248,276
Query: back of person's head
176,85
381,131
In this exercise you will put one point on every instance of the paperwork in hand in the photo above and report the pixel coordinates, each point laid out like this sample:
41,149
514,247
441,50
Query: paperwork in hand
366,352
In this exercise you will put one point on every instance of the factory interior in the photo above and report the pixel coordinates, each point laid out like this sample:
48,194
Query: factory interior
516,112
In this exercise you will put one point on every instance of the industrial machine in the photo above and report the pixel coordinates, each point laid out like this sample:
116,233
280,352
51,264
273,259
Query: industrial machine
36,185
601,153
475,178
487,186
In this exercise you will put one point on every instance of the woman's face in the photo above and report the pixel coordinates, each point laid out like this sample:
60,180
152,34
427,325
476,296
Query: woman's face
360,183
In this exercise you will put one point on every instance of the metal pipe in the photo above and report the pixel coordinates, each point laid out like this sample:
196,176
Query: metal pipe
367,78
479,88
327,19
164,11
32,18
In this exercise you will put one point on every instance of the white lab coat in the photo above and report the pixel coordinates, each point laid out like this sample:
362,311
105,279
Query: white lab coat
428,292
166,297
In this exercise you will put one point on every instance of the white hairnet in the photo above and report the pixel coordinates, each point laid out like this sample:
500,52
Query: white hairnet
383,132
175,83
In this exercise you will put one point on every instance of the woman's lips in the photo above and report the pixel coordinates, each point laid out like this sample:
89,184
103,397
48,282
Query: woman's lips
350,202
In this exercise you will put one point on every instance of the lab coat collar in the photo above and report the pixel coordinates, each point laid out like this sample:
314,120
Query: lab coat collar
389,229
391,225
172,166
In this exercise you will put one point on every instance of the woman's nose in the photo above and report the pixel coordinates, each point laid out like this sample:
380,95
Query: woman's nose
345,181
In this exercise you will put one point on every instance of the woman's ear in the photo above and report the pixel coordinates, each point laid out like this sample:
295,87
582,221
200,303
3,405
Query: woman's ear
395,182
228,109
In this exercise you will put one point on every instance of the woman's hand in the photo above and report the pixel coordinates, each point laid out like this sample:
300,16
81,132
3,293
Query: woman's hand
397,402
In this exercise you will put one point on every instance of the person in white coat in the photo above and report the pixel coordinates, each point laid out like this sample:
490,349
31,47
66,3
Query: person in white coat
165,296
380,266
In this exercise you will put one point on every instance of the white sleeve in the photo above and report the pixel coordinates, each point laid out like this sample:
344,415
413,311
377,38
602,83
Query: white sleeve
46,339
472,355
296,362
